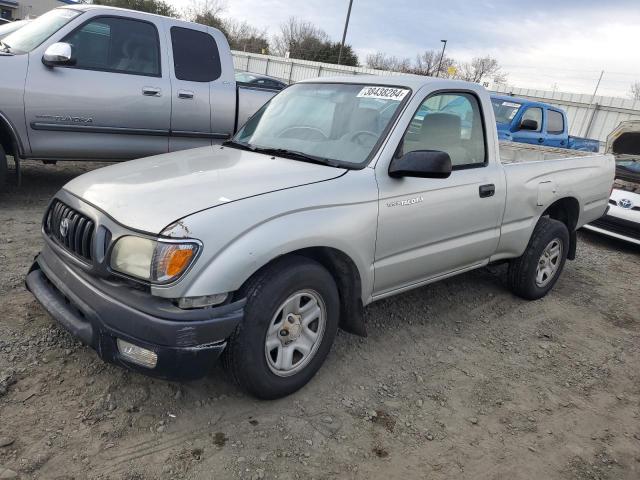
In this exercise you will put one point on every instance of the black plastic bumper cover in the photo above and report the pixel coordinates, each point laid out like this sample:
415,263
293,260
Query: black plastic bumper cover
186,347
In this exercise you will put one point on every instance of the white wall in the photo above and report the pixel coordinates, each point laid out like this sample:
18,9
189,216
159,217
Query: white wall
35,8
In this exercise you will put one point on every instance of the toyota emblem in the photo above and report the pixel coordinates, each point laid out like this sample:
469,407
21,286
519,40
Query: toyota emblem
625,203
64,227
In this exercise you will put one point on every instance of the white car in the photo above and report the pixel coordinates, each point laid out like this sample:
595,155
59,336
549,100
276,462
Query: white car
622,219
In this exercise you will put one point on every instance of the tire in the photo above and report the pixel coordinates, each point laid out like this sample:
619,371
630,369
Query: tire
524,277
4,168
264,346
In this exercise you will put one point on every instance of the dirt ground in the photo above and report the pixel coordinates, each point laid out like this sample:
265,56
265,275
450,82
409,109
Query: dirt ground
456,380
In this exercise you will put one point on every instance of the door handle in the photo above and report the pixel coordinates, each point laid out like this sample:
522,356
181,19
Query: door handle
151,92
487,190
185,94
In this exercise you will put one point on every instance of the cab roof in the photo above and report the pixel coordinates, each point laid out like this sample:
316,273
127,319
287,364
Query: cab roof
414,82
523,101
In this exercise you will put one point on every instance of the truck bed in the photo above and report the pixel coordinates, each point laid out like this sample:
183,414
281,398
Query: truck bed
512,152
537,176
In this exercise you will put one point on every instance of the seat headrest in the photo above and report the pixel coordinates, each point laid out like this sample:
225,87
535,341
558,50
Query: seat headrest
441,127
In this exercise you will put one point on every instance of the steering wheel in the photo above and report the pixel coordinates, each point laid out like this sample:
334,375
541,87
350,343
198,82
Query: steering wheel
357,135
314,133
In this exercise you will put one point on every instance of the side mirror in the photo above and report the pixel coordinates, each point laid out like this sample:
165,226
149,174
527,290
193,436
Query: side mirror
528,124
58,54
421,164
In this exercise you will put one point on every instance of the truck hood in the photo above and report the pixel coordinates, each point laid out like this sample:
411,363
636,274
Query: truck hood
151,193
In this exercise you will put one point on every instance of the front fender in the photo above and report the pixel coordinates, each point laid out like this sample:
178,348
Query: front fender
241,237
349,229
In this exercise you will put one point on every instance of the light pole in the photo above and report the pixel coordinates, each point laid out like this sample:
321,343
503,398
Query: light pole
344,35
444,45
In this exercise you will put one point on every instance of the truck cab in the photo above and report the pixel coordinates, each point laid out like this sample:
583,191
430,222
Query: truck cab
537,123
100,83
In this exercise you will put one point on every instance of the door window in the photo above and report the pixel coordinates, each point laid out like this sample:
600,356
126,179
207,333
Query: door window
195,55
119,45
452,123
533,113
555,122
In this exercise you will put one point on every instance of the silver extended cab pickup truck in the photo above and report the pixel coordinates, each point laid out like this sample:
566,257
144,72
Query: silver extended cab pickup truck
336,193
91,82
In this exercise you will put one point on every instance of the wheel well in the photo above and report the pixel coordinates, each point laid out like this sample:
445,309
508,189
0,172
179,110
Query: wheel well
567,211
347,278
6,139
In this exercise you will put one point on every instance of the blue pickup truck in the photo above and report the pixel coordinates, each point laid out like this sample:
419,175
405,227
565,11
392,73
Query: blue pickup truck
527,121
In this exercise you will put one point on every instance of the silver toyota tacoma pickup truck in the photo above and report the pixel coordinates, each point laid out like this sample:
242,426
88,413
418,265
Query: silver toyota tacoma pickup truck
336,193
100,83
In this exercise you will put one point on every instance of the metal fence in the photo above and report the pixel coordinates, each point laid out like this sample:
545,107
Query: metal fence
588,116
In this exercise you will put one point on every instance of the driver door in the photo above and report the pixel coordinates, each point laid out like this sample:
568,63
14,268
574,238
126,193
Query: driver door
430,227
114,103
535,137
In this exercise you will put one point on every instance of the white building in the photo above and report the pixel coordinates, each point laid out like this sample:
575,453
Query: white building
21,9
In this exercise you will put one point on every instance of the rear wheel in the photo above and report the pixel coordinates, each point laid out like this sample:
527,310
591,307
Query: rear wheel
532,275
291,319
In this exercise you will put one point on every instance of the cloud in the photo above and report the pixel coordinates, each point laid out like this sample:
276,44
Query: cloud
542,43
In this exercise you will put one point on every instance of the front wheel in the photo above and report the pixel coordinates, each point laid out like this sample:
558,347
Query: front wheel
532,275
291,319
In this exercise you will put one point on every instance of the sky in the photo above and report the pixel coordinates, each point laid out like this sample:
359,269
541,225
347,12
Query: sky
544,44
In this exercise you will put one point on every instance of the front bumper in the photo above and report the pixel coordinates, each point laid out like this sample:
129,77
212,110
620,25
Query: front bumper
98,312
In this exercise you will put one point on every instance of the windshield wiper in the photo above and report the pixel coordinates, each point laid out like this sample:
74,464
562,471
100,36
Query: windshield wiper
295,155
236,144
282,152
6,48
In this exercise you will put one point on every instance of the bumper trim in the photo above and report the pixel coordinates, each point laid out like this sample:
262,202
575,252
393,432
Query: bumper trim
54,303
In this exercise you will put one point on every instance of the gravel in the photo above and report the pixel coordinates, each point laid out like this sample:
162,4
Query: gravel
459,379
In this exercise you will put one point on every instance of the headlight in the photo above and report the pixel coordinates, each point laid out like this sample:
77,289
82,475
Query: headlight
156,261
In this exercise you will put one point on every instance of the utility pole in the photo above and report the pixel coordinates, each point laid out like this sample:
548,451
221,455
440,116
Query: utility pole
444,45
344,35
593,97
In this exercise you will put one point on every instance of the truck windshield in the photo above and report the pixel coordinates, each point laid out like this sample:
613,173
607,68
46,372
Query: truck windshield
336,124
504,110
37,31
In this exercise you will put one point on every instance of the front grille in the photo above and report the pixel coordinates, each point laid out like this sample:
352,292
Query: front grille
619,226
70,229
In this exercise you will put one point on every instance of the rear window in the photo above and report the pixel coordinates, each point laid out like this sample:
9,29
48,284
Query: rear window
555,122
195,55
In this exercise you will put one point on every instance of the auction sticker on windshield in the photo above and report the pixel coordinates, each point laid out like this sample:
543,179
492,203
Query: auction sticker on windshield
383,93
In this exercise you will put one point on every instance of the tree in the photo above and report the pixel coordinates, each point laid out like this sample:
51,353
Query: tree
245,37
331,50
481,68
305,41
428,63
382,61
241,35
634,92
159,7
207,12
